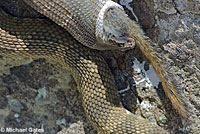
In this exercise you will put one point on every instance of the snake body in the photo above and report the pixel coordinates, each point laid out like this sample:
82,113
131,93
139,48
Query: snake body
110,28
43,39
38,38
85,20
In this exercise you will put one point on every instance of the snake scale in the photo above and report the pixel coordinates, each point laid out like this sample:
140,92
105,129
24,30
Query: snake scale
41,38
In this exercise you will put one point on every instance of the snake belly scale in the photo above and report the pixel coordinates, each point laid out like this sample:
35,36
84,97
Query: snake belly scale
40,38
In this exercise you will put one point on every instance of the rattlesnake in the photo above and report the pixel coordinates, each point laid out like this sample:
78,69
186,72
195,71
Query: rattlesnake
39,38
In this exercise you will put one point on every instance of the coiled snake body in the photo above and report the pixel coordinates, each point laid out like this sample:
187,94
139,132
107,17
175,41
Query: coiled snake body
39,38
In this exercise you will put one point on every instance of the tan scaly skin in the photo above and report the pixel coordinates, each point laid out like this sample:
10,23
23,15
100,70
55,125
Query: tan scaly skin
38,38
81,18
107,24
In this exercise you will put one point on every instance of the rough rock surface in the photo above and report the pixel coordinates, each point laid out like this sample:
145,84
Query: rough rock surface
41,94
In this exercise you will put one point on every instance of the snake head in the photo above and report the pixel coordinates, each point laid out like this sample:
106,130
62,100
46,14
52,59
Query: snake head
112,28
